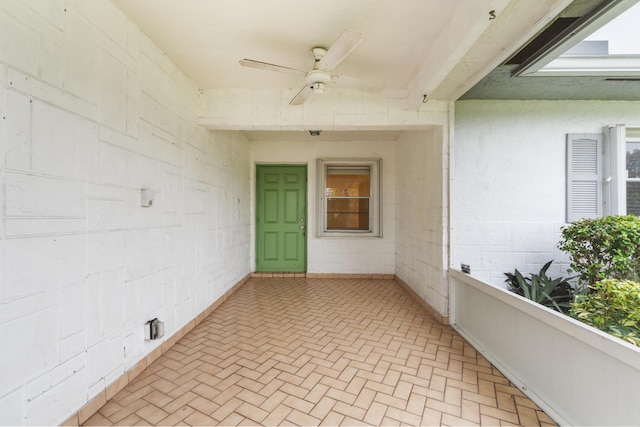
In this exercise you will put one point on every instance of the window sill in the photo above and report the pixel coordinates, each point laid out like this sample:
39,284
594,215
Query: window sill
353,234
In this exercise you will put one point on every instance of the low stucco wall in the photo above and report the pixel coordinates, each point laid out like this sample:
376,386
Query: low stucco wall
575,373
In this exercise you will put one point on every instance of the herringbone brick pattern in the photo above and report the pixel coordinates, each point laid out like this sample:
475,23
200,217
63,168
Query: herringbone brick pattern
295,351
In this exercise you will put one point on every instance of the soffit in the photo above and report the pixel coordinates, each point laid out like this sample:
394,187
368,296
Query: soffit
503,82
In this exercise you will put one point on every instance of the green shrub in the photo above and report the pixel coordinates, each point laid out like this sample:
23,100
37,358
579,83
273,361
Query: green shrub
553,293
612,306
603,248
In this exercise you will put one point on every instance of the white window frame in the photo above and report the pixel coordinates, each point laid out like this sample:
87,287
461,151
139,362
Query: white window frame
610,175
375,200
614,170
632,134
615,167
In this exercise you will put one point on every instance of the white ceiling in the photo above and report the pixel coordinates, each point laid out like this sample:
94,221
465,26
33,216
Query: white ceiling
206,38
404,39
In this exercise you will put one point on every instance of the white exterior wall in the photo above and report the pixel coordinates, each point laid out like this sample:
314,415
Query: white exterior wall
508,184
336,255
422,212
92,113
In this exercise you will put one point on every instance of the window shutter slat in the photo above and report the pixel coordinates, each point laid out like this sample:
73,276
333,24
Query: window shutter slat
584,176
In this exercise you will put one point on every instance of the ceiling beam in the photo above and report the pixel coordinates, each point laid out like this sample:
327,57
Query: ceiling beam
467,22
516,23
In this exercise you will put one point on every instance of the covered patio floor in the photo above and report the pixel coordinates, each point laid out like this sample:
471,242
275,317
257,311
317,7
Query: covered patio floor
283,351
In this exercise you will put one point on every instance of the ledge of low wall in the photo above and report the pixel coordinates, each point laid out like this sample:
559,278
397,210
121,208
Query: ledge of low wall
577,374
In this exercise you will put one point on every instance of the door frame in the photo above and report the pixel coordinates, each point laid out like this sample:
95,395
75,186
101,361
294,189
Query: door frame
255,211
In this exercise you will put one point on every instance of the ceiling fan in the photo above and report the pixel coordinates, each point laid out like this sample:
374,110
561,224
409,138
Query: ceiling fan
325,61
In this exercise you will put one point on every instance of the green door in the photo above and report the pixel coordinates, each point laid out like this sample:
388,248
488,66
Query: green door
281,218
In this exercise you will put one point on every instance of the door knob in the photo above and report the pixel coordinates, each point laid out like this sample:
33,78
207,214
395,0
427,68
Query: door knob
301,227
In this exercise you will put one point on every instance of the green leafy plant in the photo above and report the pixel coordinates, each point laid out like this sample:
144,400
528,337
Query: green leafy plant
612,306
554,293
603,248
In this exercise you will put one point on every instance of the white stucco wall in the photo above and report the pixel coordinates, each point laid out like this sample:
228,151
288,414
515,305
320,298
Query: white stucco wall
508,180
92,112
421,212
336,255
579,375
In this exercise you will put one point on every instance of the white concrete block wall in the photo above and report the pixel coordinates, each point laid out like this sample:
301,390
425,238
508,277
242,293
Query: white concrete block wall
508,183
336,255
92,112
421,213
337,109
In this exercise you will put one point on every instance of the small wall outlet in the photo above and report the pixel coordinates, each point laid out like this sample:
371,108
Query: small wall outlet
146,197
466,268
153,329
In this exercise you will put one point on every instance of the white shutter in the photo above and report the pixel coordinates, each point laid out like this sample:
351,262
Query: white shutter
584,176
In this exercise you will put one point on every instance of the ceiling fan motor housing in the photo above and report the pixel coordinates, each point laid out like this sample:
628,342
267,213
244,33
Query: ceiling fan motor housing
317,79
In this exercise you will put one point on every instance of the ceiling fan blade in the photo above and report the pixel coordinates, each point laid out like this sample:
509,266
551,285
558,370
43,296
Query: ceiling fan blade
302,96
341,48
359,84
271,67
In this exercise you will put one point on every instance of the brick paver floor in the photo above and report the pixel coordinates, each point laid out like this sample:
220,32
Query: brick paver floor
300,351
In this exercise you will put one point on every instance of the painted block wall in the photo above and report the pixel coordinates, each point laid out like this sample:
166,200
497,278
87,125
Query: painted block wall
337,109
336,255
421,213
92,112
508,180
